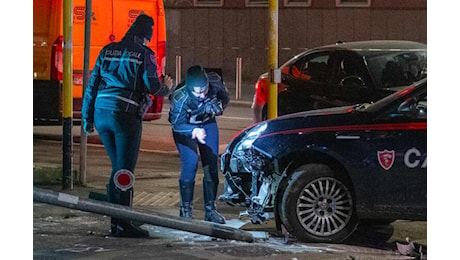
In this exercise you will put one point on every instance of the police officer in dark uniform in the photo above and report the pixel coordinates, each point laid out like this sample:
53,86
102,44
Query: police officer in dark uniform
114,102
194,106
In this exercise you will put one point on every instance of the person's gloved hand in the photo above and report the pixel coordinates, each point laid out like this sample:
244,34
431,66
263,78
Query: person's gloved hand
213,106
199,134
217,108
168,81
88,127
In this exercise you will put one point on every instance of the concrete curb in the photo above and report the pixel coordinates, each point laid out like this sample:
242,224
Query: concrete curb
92,139
240,103
233,102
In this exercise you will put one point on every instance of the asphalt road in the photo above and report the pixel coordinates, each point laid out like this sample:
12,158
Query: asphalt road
62,233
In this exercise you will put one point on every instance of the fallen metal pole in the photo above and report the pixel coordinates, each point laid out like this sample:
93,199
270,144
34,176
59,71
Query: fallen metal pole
149,217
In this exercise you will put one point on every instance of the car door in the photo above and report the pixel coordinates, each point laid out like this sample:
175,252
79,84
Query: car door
397,156
307,83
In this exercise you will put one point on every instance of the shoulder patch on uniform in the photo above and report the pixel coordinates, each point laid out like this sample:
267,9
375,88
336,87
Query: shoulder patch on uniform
178,94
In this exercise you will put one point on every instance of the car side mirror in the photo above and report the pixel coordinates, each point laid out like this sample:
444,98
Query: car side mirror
408,108
352,81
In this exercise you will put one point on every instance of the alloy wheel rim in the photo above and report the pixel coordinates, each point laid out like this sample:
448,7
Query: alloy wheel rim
324,207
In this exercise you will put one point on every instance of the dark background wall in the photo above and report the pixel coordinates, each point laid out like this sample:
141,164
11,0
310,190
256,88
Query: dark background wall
216,36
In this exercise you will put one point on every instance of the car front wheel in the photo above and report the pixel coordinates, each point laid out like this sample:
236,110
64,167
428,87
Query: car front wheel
318,205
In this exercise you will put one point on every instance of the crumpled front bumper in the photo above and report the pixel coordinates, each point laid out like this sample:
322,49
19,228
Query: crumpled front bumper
251,181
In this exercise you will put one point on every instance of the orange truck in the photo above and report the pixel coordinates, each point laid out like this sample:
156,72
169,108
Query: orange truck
110,20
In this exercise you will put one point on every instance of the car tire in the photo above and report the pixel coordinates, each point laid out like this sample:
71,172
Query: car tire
318,205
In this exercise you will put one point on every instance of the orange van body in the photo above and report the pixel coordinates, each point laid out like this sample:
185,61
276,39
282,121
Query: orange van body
109,22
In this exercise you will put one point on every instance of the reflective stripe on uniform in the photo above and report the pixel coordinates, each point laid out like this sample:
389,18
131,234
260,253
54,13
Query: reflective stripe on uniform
132,102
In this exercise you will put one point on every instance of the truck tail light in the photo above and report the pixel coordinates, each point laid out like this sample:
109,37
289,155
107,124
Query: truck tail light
57,59
161,57
158,104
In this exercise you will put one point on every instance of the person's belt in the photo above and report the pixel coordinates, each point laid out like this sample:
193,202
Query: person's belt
132,102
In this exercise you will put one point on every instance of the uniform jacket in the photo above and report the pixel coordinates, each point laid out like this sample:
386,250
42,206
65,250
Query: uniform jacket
124,72
187,111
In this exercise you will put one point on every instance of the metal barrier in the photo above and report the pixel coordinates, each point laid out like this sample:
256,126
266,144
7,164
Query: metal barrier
178,69
238,79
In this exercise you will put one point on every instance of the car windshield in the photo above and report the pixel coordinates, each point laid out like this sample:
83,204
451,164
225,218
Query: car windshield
397,68
376,106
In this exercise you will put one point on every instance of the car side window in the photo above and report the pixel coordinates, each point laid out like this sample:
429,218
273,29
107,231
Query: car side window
348,67
313,68
350,73
397,68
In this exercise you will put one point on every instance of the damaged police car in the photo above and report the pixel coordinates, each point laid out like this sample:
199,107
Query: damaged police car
320,172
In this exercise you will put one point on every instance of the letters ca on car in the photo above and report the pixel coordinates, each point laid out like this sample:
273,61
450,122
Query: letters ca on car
320,172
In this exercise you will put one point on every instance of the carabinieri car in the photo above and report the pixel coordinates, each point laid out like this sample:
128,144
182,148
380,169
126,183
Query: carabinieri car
320,172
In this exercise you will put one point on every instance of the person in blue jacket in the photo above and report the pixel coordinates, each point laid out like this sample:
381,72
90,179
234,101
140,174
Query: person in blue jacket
194,106
114,102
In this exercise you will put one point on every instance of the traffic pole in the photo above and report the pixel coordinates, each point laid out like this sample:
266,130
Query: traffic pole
272,111
83,137
67,178
149,217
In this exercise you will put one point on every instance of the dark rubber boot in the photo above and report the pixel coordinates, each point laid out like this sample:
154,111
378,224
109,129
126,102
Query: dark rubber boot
113,196
128,229
210,192
121,227
186,197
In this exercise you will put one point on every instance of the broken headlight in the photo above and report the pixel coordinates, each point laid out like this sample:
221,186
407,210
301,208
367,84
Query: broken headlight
242,156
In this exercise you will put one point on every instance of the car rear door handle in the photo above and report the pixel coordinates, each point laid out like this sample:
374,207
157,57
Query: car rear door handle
347,136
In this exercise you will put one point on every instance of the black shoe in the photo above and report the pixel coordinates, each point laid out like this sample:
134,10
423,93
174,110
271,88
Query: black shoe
186,198
211,213
128,230
186,211
214,216
209,194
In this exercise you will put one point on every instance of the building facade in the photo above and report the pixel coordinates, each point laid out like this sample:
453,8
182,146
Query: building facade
214,33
